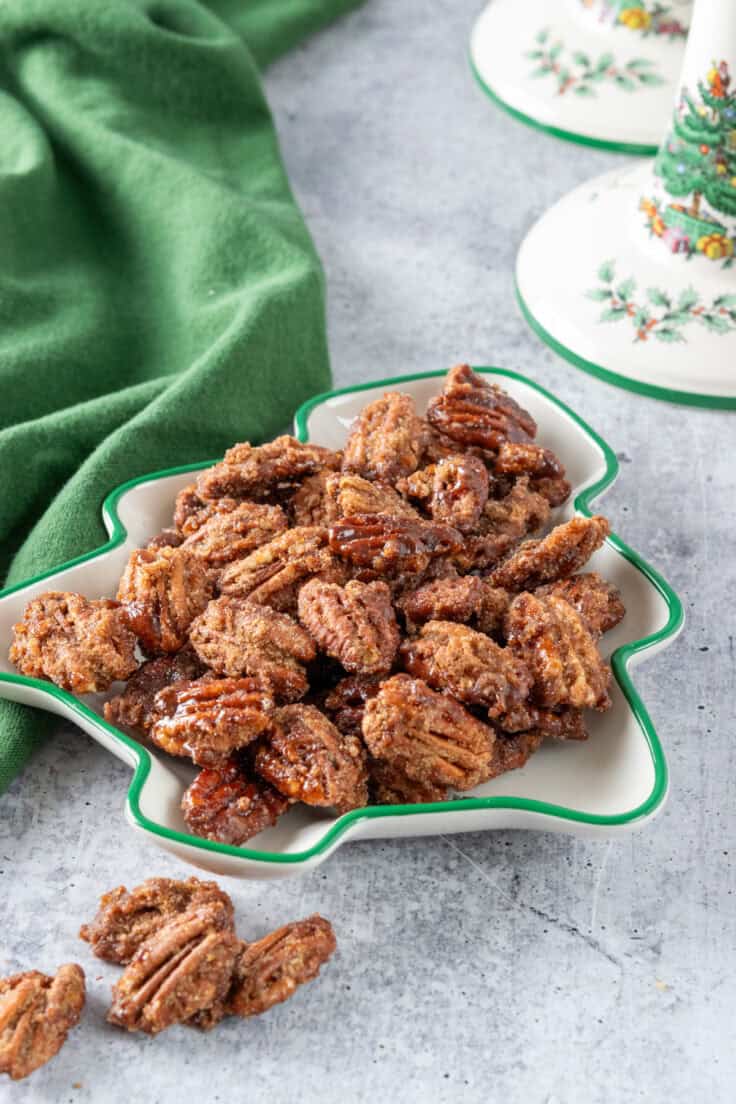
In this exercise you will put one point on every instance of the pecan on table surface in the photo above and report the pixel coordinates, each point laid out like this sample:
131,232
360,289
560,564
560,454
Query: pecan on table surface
37,1012
476,412
80,645
598,602
208,719
345,702
351,494
225,803
560,554
162,590
468,665
559,650
430,736
389,545
185,968
127,918
454,490
307,759
270,970
229,534
272,575
385,442
134,706
355,624
253,472
236,637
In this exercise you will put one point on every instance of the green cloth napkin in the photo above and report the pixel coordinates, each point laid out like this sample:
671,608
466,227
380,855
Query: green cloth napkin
160,297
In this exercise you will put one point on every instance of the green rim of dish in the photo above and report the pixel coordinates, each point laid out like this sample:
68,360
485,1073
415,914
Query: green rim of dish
637,148
684,398
619,662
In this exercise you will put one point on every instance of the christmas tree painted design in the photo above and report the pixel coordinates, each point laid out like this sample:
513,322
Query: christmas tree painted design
697,163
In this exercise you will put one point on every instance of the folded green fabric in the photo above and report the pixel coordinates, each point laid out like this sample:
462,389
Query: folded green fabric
160,296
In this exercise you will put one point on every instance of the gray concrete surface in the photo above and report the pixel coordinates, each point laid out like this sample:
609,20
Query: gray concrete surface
511,968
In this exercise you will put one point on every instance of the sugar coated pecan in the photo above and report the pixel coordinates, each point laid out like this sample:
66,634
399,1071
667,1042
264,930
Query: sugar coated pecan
555,490
37,1012
563,657
229,534
467,599
162,590
167,538
513,752
270,970
598,602
190,510
312,505
208,719
134,707
526,458
503,524
351,494
236,637
429,736
468,665
476,412
345,702
127,918
455,490
390,544
386,440
355,624
307,759
560,554
226,804
272,575
253,472
183,969
390,785
79,644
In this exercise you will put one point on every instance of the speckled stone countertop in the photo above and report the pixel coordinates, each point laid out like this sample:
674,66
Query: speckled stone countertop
509,967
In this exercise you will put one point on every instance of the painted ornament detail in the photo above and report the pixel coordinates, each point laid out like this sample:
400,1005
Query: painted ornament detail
575,71
637,15
654,313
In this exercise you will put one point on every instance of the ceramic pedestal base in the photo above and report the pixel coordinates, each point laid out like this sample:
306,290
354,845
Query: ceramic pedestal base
557,67
606,292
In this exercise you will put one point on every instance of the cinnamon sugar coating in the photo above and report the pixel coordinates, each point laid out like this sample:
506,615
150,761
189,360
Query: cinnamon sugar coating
270,970
467,599
385,442
476,412
253,472
162,590
37,1012
208,719
226,804
311,504
527,458
598,602
80,645
134,706
351,494
560,554
390,785
231,533
355,624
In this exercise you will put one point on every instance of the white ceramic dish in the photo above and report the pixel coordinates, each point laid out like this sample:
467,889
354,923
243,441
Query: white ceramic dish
614,782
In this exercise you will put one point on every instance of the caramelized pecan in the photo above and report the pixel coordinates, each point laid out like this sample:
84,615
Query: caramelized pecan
560,554
468,599
208,719
345,702
254,472
355,624
391,544
526,458
224,803
598,602
502,525
385,442
390,785
134,707
270,970
162,590
475,412
350,494
231,533
37,1012
455,490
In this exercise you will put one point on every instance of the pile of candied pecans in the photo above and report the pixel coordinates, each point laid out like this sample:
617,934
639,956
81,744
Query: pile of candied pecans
338,628
183,962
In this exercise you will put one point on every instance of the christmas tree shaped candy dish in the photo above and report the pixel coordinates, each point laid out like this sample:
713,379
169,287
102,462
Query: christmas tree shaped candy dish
631,276
600,72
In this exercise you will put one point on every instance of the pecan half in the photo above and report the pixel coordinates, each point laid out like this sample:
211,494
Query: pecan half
307,759
312,505
134,707
254,472
208,719
455,490
79,644
355,624
231,533
555,490
526,458
236,637
390,544
475,412
351,494
127,918
270,970
563,657
598,602
468,599
345,702
385,442
560,554
468,665
37,1012
429,736
167,538
162,590
503,524
513,752
272,575
390,785
225,804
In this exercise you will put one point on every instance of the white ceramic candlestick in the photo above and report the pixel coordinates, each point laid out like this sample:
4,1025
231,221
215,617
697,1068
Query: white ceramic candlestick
600,72
631,276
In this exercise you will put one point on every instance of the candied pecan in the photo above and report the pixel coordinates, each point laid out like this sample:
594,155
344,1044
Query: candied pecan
351,494
230,533
254,472
355,624
134,707
468,665
236,637
312,505
526,458
272,575
556,491
79,644
37,1012
561,553
386,440
552,724
208,719
307,759
162,590
513,752
188,509
429,736
389,785
494,605
270,970
475,412
345,702
127,918
503,524
435,445
455,490
223,803
391,544
184,968
597,601
167,538
563,657
467,599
